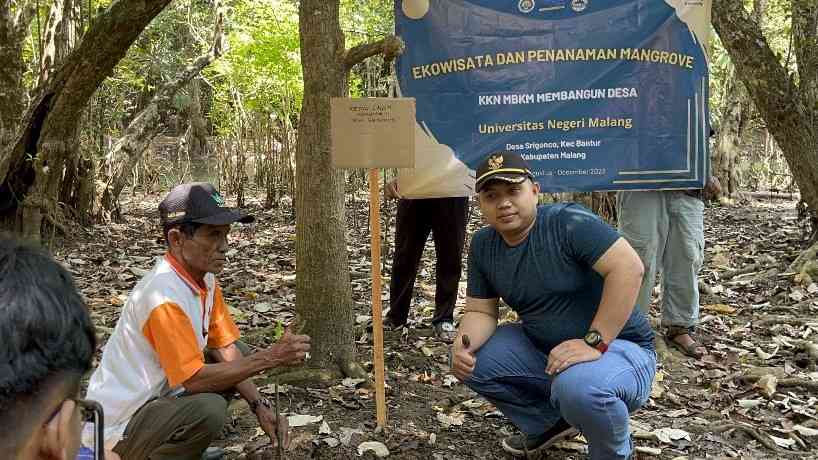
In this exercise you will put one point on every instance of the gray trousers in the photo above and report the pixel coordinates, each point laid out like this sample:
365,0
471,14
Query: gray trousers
176,427
666,228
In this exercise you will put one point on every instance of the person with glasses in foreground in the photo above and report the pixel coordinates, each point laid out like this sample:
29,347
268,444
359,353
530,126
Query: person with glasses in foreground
175,351
582,357
47,343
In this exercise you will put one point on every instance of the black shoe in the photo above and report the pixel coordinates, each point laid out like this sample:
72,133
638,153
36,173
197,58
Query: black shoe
445,331
390,325
519,445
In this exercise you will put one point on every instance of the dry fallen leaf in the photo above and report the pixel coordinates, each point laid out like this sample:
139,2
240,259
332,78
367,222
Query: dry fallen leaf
749,403
767,385
780,442
377,447
804,431
763,354
303,420
346,434
453,419
720,308
668,435
797,295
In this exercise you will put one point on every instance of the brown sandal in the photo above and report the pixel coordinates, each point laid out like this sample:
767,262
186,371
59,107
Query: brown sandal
692,349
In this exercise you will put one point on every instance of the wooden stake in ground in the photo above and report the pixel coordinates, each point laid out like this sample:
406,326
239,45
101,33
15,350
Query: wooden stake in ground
377,319
374,133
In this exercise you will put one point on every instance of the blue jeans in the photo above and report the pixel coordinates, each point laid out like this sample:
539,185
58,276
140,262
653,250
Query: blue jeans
596,397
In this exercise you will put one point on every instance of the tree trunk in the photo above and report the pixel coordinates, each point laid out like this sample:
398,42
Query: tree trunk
735,113
735,109
49,128
323,292
788,110
197,135
14,22
144,127
59,37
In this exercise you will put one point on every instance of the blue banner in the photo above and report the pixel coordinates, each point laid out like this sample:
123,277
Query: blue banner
595,94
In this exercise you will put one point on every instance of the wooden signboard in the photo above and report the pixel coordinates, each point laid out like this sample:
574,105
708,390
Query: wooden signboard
373,132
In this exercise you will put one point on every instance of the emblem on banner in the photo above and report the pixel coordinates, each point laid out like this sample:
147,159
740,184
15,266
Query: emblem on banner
496,162
579,5
525,6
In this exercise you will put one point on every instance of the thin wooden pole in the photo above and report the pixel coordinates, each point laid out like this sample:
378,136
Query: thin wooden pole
377,320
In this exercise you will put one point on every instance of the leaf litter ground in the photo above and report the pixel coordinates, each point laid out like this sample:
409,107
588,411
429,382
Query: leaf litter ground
753,396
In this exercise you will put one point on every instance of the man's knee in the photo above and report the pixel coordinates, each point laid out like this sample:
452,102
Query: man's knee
210,411
579,396
585,403
501,352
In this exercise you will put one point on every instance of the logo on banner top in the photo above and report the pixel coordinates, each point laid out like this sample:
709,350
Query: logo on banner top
496,162
579,5
415,9
525,6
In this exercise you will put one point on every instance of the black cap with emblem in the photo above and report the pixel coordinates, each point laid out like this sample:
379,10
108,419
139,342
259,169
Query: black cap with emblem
201,203
506,166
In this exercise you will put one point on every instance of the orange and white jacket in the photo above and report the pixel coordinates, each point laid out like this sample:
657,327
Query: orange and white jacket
158,342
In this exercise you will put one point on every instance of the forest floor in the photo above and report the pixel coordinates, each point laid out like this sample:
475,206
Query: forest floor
754,396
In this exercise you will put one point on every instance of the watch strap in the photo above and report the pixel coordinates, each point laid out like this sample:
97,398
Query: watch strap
259,402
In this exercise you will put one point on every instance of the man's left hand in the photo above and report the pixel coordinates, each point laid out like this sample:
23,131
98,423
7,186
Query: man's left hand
267,420
569,353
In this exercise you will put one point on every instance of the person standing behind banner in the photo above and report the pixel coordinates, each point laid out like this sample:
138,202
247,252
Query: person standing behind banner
666,228
446,219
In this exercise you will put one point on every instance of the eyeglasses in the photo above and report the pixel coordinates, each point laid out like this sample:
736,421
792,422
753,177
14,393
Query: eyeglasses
93,427
93,424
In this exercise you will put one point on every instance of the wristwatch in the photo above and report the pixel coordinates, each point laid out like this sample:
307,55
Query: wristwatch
260,402
594,339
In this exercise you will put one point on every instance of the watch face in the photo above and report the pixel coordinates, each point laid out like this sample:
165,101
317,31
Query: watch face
593,338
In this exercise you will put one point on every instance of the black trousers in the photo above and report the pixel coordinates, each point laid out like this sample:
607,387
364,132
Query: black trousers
446,219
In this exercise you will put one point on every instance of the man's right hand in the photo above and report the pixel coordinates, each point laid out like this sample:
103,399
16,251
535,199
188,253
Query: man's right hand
290,350
463,360
391,189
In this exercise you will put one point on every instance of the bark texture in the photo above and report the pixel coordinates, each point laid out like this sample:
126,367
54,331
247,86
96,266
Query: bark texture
788,105
323,291
14,22
735,113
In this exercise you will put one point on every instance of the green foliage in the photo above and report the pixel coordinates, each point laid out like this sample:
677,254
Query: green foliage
364,21
262,70
278,331
778,32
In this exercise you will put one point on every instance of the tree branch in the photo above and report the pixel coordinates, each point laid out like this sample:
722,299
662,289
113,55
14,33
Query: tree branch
145,126
55,113
22,21
805,42
391,47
